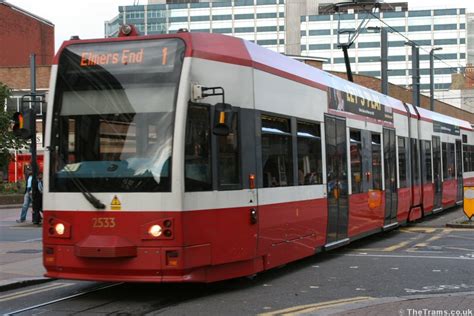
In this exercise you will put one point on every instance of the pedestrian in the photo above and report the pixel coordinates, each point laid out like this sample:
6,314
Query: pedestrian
38,202
27,198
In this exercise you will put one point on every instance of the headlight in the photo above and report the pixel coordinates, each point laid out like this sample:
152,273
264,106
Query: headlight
155,231
59,228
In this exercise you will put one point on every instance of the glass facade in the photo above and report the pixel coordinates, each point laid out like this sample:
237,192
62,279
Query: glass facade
263,22
259,21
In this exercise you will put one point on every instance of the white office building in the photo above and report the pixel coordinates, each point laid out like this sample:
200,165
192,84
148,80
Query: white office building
297,27
443,28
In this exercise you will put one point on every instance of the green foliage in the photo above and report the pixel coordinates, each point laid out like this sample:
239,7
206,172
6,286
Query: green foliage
12,188
7,140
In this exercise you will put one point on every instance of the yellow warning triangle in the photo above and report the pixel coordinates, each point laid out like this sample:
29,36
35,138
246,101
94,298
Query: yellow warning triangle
115,204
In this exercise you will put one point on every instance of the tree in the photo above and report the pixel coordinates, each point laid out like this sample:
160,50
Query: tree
7,140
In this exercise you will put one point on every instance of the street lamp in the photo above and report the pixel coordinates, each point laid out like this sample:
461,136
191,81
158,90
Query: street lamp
432,76
383,55
415,72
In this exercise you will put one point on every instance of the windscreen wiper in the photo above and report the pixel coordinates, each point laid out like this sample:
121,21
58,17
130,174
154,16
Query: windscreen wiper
85,192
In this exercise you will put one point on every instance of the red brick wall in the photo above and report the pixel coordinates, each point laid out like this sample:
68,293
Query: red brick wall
18,78
22,35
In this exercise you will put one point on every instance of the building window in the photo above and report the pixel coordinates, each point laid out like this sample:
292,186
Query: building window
222,17
266,15
419,28
445,12
445,27
319,46
319,32
369,44
244,16
309,154
277,156
419,13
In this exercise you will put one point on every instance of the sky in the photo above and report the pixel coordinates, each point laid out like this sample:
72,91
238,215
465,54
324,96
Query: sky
85,18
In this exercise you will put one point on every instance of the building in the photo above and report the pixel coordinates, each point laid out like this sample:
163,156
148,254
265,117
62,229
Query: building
444,28
24,33
270,23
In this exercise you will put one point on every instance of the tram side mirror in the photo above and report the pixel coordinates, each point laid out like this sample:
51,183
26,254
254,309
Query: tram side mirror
222,119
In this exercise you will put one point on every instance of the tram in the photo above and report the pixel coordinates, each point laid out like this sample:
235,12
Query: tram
195,157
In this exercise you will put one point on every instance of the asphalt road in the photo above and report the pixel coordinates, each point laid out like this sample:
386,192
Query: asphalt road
424,258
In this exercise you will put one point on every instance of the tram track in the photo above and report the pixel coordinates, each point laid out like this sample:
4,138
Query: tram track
83,293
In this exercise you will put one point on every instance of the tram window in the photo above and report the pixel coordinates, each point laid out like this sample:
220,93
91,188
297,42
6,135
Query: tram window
197,150
427,163
277,156
470,158
402,162
468,154
415,161
356,161
229,158
309,154
444,149
451,158
376,162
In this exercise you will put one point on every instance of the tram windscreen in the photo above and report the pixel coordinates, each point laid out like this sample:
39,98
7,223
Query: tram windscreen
113,116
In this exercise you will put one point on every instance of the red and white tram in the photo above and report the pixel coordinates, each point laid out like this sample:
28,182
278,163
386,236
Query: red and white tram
199,157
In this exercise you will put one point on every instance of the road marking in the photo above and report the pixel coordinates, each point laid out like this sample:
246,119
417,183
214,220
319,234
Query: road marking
397,246
409,256
32,240
314,307
426,230
40,289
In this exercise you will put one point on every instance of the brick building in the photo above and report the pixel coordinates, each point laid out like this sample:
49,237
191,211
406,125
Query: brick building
24,33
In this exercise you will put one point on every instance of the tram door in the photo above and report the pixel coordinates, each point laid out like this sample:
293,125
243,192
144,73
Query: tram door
336,166
390,164
438,184
459,171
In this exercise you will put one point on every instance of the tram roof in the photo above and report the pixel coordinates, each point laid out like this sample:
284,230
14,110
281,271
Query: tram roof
235,50
224,47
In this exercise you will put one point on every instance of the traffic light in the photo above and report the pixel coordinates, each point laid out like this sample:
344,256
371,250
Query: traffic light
23,124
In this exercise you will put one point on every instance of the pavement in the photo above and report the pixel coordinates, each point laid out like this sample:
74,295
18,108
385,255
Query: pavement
21,265
20,250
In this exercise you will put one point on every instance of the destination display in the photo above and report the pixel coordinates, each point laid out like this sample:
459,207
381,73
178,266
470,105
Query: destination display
445,128
365,106
149,56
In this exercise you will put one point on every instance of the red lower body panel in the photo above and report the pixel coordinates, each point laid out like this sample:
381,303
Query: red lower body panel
366,212
404,198
428,198
200,246
449,193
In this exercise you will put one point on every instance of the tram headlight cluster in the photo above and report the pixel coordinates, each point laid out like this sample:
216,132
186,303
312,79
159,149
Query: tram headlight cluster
58,228
158,229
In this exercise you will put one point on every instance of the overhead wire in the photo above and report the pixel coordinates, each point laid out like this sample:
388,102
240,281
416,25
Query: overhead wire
393,30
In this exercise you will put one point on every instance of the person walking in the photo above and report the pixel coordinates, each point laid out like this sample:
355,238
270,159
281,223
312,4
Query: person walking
27,198
38,202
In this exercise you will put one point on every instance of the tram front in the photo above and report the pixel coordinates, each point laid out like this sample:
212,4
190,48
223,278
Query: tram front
109,208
